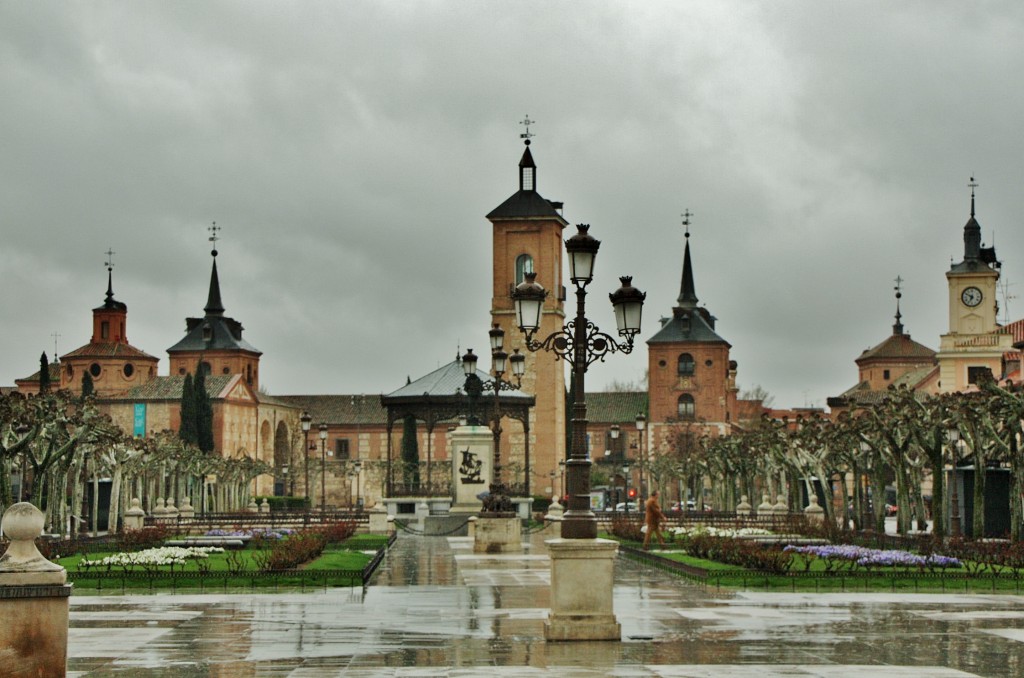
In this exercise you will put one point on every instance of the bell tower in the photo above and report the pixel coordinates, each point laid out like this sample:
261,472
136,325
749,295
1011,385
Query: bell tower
527,237
975,343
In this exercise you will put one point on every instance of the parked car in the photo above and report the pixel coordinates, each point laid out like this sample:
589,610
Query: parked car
691,505
623,506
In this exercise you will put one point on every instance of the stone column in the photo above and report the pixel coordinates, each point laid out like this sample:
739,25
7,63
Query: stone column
582,574
33,601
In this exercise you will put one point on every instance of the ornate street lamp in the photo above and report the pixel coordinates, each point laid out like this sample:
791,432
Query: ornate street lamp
359,468
580,343
641,423
323,467
953,436
306,422
497,500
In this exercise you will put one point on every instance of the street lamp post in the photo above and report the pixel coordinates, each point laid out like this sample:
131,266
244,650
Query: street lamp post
953,436
641,422
359,468
323,468
306,421
580,343
497,500
625,489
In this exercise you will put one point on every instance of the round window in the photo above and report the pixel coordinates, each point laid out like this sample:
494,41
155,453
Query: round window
707,363
129,370
662,363
95,369
227,370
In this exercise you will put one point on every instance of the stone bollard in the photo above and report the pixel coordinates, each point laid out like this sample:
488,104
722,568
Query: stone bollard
170,510
781,508
265,506
814,513
471,527
134,517
33,600
187,510
160,510
252,507
743,508
555,511
765,508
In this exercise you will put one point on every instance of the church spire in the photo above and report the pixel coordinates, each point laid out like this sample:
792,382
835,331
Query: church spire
527,168
972,231
214,306
687,292
897,328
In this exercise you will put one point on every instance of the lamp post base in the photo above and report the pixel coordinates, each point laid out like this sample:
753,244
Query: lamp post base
582,573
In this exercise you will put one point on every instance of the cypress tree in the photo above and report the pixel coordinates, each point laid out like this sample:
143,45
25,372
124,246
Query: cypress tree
44,374
203,411
87,387
187,431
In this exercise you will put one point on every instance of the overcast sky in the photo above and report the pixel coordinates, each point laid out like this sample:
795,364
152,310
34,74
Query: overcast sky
351,150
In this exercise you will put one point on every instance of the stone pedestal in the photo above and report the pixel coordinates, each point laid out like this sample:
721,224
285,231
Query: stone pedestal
814,512
134,517
498,535
582,572
265,506
743,508
765,508
378,521
33,601
781,508
187,510
472,455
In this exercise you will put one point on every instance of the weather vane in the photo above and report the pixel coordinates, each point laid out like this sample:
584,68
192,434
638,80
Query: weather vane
214,229
973,184
686,220
526,136
56,336
110,259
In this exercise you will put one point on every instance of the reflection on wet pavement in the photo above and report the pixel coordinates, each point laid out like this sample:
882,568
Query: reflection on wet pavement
437,609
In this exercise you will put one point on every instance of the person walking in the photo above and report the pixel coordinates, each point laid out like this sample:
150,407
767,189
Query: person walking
653,518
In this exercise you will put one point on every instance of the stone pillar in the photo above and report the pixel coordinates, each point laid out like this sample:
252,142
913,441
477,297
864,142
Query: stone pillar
187,510
252,507
814,513
472,455
33,601
171,511
160,510
471,528
781,508
265,506
134,517
582,572
765,508
378,520
743,508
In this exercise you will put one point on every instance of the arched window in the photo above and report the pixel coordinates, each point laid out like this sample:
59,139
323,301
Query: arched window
685,409
524,265
206,368
686,365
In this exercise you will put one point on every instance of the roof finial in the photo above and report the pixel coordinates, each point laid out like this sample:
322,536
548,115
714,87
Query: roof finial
110,273
56,336
686,221
526,136
898,327
973,184
214,229
687,293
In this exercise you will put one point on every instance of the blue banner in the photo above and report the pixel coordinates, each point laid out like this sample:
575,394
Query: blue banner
140,419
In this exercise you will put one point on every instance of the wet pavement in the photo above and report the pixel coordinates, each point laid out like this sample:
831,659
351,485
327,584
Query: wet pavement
435,608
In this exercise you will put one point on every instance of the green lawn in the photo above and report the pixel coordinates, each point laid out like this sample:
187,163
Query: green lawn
231,569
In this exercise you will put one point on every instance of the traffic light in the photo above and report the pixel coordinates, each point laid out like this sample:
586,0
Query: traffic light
632,493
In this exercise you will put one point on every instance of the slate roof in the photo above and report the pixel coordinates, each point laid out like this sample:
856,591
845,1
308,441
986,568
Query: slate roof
447,380
616,407
340,409
524,205
686,325
226,334
897,346
169,388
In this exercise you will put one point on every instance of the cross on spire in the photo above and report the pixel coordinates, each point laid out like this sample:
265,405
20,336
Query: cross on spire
686,220
973,184
898,327
526,136
110,259
55,336
214,230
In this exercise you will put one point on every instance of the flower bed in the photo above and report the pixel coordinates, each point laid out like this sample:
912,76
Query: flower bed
164,555
711,531
253,533
848,557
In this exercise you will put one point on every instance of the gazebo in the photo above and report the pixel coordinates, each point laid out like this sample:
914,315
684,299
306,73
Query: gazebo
438,398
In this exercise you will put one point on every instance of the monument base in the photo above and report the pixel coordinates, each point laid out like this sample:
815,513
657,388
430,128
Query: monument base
498,535
582,573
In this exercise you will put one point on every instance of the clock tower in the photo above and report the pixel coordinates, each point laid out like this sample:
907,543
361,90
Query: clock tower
527,237
975,343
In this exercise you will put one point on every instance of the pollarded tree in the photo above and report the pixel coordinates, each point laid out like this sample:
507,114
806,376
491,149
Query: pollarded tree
1005,427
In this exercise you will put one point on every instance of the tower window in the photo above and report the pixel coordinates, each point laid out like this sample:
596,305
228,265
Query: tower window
527,178
206,368
104,330
685,408
129,370
524,265
95,369
685,365
885,375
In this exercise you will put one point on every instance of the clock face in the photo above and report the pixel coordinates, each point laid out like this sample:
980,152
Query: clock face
971,296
